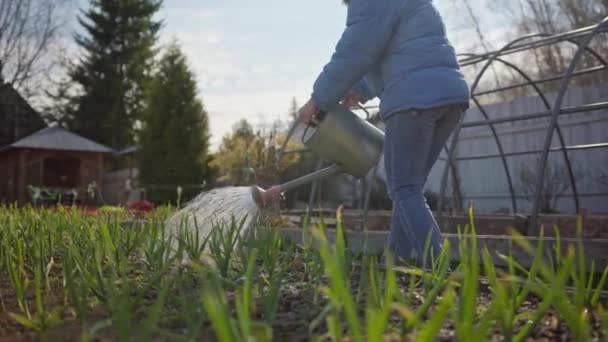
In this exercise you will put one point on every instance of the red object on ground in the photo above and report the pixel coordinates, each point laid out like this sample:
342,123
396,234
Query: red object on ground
140,208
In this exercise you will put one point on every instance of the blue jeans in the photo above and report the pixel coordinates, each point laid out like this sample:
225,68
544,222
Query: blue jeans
413,141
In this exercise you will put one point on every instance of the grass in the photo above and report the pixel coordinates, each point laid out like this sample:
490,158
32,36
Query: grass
64,274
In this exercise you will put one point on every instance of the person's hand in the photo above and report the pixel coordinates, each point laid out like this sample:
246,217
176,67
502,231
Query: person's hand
307,112
352,99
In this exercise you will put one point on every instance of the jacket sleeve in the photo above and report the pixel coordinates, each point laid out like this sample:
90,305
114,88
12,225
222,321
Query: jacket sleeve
369,27
364,90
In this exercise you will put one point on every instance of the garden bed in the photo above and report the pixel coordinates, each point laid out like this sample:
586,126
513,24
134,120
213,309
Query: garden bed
69,276
595,226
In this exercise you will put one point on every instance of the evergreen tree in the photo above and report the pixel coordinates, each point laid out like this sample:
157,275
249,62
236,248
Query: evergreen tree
174,138
118,54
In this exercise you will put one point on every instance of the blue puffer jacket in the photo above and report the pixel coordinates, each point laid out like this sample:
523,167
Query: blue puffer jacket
396,50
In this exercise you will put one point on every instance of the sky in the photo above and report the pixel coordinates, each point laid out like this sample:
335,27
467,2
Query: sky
251,58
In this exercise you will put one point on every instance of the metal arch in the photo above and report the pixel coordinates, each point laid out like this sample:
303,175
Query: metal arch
530,81
542,164
491,55
559,133
541,35
467,54
501,152
588,49
541,94
548,106
458,128
495,56
498,142
546,40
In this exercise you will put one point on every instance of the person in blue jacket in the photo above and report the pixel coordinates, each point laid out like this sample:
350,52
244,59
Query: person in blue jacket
397,50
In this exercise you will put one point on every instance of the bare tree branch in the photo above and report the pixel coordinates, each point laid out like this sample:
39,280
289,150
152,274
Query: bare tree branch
29,29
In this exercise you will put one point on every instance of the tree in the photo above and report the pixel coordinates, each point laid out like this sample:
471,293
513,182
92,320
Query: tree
550,16
247,157
29,32
118,51
293,109
556,16
175,134
524,17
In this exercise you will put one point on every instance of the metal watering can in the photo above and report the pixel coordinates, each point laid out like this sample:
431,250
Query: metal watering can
352,144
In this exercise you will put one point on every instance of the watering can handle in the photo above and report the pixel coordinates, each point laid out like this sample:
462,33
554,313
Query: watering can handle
314,117
317,117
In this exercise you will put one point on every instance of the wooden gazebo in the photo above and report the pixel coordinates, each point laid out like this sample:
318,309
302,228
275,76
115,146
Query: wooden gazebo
34,156
53,159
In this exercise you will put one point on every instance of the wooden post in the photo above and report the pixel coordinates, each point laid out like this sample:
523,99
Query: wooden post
82,186
100,170
82,179
42,181
12,178
21,178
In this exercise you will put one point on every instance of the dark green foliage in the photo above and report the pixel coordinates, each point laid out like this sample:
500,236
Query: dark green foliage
175,136
118,51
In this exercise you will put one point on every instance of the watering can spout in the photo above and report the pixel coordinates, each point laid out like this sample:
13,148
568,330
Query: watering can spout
263,197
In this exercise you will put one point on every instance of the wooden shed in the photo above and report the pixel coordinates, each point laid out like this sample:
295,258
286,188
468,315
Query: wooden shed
53,159
49,158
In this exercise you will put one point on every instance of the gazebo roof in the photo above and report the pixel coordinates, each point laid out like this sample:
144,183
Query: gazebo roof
59,138
129,150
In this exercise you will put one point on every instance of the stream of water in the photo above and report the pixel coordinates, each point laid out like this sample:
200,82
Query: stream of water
218,207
